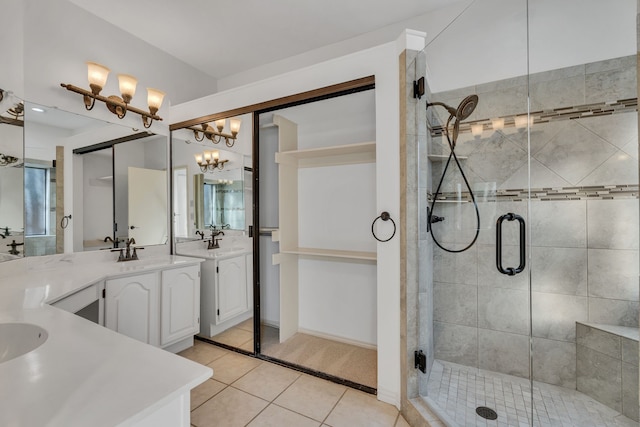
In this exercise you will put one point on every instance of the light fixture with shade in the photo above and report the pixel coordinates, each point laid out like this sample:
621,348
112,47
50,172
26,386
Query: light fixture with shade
498,123
215,135
476,129
119,105
209,161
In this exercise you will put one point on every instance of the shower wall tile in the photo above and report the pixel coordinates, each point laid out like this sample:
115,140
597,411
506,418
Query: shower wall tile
459,268
541,177
612,85
456,343
611,64
630,351
425,265
631,149
505,310
502,102
617,129
488,274
620,168
560,224
459,225
559,270
558,74
483,160
575,152
558,93
613,312
503,352
489,214
423,163
554,362
554,316
423,205
599,376
613,274
613,224
630,391
456,304
540,135
599,340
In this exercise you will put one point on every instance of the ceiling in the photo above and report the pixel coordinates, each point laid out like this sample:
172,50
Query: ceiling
224,37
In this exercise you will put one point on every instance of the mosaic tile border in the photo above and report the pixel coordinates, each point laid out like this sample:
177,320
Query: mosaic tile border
556,114
604,192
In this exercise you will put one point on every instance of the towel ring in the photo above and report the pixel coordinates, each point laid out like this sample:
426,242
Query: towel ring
385,217
64,222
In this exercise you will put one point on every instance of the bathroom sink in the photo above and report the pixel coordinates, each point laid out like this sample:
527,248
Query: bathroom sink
17,339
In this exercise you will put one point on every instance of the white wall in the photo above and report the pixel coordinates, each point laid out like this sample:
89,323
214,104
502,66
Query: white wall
381,61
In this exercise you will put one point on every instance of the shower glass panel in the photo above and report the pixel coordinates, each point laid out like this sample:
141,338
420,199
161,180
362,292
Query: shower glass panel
528,244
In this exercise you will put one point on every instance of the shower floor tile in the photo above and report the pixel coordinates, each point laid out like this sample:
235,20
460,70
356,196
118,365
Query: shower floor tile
455,391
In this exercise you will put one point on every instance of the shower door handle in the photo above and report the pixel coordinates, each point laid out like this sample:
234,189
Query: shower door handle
510,271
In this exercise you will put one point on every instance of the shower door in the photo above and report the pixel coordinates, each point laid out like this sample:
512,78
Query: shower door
528,245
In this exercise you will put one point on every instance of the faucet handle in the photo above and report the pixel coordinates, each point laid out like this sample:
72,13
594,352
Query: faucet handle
121,257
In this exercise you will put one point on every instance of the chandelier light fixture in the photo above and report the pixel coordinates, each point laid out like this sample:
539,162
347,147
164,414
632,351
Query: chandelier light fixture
209,161
215,135
97,76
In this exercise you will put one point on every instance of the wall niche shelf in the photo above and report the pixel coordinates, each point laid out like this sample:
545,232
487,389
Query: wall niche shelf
443,157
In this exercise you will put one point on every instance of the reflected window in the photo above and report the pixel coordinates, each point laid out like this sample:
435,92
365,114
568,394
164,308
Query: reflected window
38,200
224,205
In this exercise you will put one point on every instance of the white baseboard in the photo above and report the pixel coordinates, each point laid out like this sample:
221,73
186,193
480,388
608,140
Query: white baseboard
389,397
338,339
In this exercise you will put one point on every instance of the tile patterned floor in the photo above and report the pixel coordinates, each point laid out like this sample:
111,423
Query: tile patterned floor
249,392
457,390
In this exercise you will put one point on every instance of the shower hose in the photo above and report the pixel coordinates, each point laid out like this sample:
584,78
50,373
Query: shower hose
452,155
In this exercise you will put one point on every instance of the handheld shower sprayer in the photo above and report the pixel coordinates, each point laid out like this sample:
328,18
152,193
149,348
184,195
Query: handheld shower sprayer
464,110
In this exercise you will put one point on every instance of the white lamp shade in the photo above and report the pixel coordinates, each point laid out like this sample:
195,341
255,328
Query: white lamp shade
154,98
215,154
234,125
127,84
220,123
97,74
198,158
207,156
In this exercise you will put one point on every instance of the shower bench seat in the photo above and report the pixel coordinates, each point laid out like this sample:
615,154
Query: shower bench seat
607,365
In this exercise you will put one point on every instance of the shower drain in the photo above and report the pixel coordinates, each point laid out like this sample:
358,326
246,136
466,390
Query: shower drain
486,413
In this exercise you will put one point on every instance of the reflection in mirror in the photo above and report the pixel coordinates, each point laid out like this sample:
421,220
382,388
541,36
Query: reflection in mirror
49,134
11,180
211,220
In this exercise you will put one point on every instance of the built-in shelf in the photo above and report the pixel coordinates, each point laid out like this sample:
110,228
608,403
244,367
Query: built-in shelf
268,125
332,253
443,157
362,152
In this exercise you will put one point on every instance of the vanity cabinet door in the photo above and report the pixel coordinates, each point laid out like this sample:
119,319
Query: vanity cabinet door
231,287
131,307
180,304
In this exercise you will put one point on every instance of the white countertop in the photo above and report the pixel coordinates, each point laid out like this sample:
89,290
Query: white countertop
198,249
84,374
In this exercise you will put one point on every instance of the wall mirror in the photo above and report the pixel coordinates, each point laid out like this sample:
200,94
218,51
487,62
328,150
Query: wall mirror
11,184
211,216
207,197
113,172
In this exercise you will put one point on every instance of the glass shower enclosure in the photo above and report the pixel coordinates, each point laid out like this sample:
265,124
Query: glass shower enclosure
528,215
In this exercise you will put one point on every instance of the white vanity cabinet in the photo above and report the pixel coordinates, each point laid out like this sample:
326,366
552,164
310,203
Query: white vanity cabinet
161,308
227,292
132,307
231,287
180,304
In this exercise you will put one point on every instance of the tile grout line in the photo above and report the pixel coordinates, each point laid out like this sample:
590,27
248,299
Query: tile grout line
334,406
